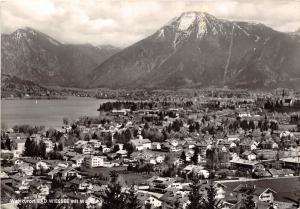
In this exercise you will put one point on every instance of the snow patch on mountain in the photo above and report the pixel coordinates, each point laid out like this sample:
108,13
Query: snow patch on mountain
175,40
199,23
202,27
19,34
186,20
161,33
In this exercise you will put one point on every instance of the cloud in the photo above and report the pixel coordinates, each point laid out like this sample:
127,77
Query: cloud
123,22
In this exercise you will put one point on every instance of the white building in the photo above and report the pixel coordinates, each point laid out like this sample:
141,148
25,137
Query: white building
93,202
49,145
95,143
141,144
146,198
26,169
41,165
253,147
267,195
78,160
93,161
86,149
20,148
155,146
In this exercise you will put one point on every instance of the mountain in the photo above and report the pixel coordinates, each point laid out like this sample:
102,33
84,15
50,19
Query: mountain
32,55
11,85
197,49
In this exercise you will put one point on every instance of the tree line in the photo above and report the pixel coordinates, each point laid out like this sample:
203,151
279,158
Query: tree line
133,106
34,148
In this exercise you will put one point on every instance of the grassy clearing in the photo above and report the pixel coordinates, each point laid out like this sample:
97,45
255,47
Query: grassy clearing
128,176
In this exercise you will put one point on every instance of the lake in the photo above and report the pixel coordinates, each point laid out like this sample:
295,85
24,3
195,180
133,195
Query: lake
47,113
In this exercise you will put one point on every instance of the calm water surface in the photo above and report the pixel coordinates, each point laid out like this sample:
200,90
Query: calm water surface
48,113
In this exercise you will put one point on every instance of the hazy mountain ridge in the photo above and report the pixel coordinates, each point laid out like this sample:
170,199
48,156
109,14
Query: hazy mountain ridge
198,50
32,55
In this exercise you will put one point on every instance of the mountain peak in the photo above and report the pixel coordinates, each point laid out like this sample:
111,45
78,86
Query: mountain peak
28,33
34,55
187,19
24,32
195,13
194,22
195,49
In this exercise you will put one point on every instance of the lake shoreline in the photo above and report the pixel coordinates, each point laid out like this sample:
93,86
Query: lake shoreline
48,113
34,98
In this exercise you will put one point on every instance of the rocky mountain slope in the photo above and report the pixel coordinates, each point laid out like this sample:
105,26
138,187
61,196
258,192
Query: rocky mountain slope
32,55
198,50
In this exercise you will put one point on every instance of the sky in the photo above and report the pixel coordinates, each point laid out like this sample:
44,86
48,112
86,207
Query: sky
124,22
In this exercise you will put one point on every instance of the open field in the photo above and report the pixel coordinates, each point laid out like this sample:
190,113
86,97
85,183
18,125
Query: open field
128,176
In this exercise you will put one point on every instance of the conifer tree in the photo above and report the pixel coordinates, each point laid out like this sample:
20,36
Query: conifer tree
195,197
43,150
28,147
183,156
132,200
195,156
210,202
60,146
55,148
249,203
113,197
57,182
148,205
8,143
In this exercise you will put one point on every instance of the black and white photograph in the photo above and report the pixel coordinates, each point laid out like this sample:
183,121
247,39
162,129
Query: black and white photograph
150,104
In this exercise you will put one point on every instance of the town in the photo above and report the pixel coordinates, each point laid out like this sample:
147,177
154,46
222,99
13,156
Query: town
229,149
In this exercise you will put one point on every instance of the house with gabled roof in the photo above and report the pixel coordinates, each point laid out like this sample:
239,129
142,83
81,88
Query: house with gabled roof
82,185
40,188
160,183
189,144
95,143
170,198
141,144
149,199
26,169
20,183
51,174
42,165
173,142
265,194
197,170
78,160
155,146
246,165
69,173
